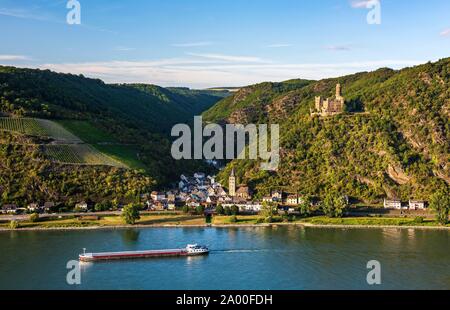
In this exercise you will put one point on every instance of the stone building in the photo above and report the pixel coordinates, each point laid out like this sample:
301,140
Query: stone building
330,106
244,193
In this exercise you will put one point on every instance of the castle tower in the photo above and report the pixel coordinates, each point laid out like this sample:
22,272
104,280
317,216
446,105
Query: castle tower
232,184
338,91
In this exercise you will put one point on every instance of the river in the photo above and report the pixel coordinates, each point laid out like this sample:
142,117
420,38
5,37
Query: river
271,258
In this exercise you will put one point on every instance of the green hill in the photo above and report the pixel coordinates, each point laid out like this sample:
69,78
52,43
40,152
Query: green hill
112,140
45,94
394,139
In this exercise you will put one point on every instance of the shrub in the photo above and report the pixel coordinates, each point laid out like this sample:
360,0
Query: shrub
268,219
34,218
227,211
14,224
419,219
185,209
235,210
259,221
200,210
219,210
233,219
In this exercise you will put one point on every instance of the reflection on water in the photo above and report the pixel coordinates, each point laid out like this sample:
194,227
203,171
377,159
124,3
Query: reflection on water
241,258
130,235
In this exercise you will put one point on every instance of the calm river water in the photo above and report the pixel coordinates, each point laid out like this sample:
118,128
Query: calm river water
240,258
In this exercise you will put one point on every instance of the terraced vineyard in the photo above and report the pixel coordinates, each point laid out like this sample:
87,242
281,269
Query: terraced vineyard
38,127
81,154
70,149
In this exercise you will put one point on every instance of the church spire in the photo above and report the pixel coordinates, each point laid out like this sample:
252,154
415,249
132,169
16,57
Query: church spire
232,184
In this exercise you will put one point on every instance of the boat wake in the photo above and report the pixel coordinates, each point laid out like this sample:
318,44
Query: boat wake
240,251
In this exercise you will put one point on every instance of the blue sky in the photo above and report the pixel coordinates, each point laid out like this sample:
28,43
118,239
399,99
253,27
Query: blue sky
206,43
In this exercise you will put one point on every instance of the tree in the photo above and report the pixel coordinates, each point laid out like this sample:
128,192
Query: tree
305,206
130,214
99,207
340,204
234,210
227,211
186,209
334,204
200,209
440,203
268,210
219,210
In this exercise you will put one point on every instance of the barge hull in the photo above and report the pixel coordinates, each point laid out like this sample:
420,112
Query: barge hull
132,255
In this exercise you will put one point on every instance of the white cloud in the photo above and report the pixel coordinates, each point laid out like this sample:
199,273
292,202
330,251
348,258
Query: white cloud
13,57
279,45
208,72
445,32
362,4
20,13
338,47
42,17
192,44
228,58
124,49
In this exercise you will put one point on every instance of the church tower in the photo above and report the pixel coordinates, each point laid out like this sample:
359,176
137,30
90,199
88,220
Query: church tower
232,184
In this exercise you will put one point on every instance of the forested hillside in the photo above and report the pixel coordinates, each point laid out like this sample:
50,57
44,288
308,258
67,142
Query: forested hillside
393,140
46,94
124,126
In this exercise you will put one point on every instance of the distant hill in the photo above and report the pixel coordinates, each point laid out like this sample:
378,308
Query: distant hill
46,94
393,140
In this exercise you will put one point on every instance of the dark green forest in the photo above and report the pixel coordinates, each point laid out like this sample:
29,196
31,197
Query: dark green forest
133,114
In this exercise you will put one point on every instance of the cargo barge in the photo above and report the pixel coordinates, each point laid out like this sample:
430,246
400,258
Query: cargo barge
189,250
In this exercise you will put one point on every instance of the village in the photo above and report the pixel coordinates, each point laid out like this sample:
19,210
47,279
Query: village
201,190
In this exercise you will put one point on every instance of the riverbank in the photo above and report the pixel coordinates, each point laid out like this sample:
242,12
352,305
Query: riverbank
189,221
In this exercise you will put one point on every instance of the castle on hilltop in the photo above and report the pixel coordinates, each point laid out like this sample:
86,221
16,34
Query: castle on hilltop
330,106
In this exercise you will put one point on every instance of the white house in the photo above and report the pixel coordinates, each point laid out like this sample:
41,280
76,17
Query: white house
33,207
157,196
392,204
211,191
199,175
292,200
82,206
267,199
212,180
277,196
191,202
245,207
182,185
9,209
171,206
256,207
417,205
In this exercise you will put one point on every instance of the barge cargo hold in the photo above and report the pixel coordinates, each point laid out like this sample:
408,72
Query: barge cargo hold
190,250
